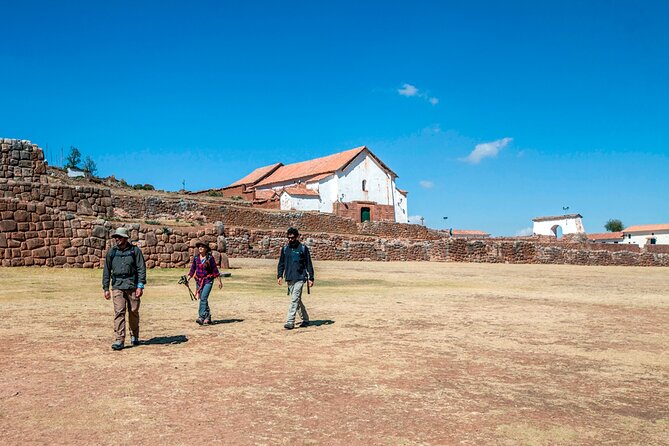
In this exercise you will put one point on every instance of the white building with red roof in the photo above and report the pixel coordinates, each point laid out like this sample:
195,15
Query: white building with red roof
641,234
354,183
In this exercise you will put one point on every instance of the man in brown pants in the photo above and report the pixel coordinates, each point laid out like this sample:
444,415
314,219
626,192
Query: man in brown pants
125,267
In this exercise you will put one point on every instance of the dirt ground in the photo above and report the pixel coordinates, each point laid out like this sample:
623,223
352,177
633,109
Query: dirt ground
400,354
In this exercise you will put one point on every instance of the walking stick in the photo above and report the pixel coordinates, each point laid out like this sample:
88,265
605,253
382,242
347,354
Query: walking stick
183,280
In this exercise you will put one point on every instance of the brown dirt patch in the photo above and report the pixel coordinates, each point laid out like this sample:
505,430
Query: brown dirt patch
402,354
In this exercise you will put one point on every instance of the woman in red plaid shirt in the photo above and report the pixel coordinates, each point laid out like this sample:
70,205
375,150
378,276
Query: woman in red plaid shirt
205,270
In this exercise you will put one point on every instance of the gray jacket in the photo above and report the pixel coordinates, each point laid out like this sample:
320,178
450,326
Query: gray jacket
125,268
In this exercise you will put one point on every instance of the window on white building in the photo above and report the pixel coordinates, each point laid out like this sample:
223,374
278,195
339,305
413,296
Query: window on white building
364,185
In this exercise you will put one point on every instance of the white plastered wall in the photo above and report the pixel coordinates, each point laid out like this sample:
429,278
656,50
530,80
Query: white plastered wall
299,202
378,184
572,225
641,238
401,209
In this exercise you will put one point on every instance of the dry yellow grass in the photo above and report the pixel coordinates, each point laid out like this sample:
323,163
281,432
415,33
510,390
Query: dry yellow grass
401,354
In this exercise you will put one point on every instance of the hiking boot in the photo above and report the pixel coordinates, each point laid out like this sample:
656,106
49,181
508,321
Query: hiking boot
304,324
117,346
289,326
199,321
206,322
134,341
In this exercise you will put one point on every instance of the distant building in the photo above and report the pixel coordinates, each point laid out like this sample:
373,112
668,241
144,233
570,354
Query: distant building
73,172
651,234
354,184
606,237
566,224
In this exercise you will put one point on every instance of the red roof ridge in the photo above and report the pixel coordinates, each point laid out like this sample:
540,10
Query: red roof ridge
646,228
256,176
299,189
605,235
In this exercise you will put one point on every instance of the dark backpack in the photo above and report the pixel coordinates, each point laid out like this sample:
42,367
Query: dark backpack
285,249
133,252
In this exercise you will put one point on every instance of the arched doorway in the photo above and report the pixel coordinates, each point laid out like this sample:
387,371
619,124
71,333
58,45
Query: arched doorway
557,231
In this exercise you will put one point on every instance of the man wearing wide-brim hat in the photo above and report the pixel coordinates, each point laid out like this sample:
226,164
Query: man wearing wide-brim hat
125,268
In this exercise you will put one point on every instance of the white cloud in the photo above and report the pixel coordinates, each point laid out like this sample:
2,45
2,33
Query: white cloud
409,91
524,232
426,184
487,150
415,219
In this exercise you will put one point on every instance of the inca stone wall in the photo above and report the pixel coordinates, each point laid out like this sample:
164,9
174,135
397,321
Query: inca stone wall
46,224
21,161
54,198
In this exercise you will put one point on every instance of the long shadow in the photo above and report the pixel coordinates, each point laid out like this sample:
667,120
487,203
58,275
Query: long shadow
163,340
318,323
226,321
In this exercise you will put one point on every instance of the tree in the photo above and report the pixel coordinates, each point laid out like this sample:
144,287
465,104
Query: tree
74,158
614,225
89,166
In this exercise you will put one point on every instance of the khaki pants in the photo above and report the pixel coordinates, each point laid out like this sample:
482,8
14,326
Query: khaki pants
121,299
296,305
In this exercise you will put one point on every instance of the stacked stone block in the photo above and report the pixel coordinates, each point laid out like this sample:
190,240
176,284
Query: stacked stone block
21,161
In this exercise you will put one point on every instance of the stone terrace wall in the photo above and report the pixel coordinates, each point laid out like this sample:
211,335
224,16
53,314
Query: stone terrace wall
29,237
265,244
21,161
246,216
399,230
53,198
64,241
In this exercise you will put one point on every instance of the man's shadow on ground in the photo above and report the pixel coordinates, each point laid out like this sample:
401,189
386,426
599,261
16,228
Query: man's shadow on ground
164,340
318,323
226,321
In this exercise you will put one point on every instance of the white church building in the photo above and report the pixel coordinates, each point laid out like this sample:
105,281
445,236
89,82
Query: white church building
354,183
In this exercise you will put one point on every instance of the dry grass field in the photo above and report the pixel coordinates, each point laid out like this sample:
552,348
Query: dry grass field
400,354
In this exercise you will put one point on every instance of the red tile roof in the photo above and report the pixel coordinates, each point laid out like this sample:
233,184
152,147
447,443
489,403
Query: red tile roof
265,194
648,228
319,177
605,236
300,190
308,171
256,175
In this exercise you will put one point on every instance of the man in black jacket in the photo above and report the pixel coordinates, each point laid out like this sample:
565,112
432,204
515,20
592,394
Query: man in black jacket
125,267
295,264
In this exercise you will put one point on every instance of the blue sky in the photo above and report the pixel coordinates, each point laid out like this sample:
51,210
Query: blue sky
491,113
